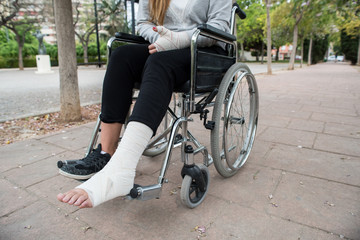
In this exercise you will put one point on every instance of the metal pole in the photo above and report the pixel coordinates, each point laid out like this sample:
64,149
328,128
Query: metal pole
97,34
132,17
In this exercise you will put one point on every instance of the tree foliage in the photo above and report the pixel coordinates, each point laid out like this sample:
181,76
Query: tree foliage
25,17
349,46
349,24
250,31
320,46
114,13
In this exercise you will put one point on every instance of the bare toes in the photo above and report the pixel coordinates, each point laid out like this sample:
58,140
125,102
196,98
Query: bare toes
60,197
86,204
80,200
74,199
77,197
68,196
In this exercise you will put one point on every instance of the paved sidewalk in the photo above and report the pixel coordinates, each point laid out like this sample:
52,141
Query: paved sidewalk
302,180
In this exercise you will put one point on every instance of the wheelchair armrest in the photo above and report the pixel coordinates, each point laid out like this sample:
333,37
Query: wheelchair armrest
130,38
216,32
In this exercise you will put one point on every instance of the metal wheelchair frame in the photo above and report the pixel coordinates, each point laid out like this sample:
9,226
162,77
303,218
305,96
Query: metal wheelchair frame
188,107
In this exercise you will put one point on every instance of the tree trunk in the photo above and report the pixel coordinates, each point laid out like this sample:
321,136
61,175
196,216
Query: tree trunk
69,89
262,52
20,51
277,53
21,61
293,52
310,50
86,57
269,71
302,52
358,58
242,55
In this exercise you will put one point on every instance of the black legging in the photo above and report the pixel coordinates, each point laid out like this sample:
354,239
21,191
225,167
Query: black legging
158,73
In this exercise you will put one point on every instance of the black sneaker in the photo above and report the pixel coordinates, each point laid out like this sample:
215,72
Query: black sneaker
84,168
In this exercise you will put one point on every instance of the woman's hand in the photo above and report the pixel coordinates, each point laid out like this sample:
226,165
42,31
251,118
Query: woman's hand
152,49
169,40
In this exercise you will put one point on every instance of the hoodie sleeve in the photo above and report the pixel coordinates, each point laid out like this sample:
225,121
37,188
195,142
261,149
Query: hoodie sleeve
143,25
219,14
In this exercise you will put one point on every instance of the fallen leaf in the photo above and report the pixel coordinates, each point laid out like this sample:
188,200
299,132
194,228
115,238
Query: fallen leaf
201,229
254,177
274,204
330,204
86,228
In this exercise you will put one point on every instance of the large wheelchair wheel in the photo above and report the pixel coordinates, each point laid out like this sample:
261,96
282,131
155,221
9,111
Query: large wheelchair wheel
160,146
235,115
191,195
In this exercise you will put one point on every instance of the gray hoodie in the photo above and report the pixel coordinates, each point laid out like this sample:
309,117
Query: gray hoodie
216,13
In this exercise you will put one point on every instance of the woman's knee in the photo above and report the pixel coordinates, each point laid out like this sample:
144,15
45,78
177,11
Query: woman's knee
129,52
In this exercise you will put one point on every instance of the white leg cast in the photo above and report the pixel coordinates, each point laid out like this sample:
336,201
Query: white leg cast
117,177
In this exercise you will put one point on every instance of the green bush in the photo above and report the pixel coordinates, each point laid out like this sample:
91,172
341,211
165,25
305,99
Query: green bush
30,50
9,49
52,50
349,46
319,48
79,50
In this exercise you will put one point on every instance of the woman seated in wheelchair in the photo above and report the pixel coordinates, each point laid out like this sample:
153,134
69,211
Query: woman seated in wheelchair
168,25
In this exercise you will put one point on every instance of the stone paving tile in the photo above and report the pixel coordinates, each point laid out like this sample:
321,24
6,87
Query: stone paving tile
330,206
321,109
326,99
307,125
21,153
49,189
335,118
13,198
260,149
344,130
164,218
335,167
274,121
260,129
74,139
310,102
42,222
342,145
238,222
290,113
288,136
340,104
150,165
38,171
250,187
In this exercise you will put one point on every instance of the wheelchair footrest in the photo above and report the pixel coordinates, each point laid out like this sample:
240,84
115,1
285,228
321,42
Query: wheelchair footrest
210,125
146,192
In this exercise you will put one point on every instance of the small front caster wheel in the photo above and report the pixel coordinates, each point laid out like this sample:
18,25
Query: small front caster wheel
191,195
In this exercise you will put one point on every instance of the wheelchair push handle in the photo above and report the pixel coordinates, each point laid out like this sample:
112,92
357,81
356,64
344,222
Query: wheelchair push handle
239,11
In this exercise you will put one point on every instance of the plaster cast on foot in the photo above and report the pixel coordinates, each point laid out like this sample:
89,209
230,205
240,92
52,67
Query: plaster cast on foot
117,177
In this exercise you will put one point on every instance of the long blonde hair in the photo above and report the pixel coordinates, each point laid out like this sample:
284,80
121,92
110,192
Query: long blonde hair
157,10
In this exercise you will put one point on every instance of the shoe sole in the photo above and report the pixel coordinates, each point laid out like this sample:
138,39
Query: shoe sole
77,177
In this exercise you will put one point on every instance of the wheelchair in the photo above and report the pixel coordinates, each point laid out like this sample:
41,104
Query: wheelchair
219,82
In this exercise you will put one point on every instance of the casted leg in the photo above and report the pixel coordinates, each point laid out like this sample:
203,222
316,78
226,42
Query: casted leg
117,177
